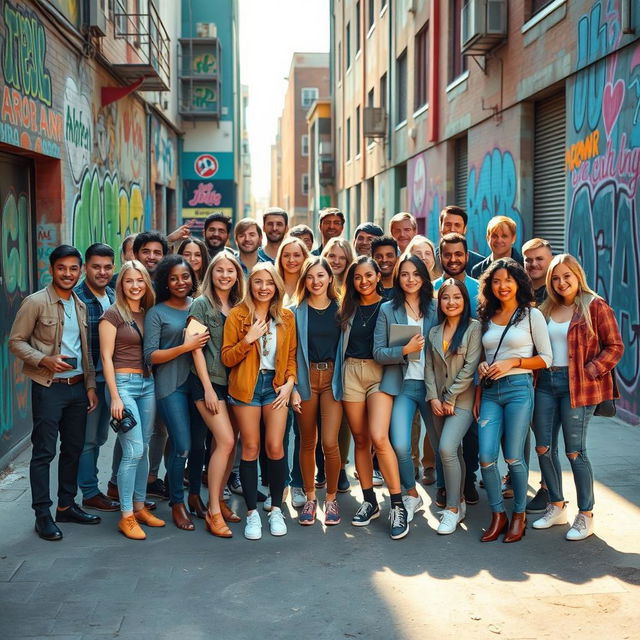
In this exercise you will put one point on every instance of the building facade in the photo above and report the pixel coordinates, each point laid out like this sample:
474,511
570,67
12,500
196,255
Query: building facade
538,120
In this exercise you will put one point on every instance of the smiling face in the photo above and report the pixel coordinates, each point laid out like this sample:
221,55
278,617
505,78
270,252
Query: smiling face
98,272
150,254
274,228
292,259
409,279
65,273
331,227
133,285
317,280
565,283
451,301
216,235
403,231
192,254
424,251
386,258
337,260
224,275
452,223
504,286
501,240
248,240
362,243
453,258
179,282
365,279
536,263
263,288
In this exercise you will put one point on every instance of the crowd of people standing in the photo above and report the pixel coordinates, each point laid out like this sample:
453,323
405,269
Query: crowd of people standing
213,359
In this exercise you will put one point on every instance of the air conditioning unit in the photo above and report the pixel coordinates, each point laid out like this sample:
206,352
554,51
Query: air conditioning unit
484,25
374,122
206,30
325,148
96,21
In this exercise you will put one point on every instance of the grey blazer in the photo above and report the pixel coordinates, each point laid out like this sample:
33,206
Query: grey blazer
395,364
450,376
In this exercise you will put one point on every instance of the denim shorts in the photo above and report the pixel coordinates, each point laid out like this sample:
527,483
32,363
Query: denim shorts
263,394
197,390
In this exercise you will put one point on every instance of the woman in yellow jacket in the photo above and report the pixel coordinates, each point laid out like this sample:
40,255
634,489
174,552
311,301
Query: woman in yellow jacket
259,345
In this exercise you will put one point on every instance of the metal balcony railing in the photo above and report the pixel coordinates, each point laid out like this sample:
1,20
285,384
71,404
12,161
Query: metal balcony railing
148,51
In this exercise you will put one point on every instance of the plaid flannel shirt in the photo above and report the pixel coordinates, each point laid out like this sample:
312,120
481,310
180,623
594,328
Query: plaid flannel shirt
592,356
94,313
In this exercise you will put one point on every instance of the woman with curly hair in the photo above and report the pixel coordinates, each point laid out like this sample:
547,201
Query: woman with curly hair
515,341
167,348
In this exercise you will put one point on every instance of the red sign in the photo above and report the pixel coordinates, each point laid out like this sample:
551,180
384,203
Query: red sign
206,165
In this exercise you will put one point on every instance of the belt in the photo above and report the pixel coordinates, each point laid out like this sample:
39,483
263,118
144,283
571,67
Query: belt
265,371
69,381
321,366
557,368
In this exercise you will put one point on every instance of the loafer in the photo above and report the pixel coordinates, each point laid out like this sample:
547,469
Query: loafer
46,528
428,476
112,491
75,514
156,488
100,502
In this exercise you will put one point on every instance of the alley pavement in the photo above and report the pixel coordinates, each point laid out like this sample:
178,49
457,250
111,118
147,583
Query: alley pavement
332,583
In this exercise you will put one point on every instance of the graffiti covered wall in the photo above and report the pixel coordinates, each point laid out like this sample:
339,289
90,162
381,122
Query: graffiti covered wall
603,172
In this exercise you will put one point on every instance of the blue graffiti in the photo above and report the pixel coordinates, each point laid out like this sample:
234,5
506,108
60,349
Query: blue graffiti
492,191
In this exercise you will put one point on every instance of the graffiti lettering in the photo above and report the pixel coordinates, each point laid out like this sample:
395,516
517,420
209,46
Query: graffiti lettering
78,131
47,235
205,64
204,98
14,243
205,194
583,150
14,391
132,141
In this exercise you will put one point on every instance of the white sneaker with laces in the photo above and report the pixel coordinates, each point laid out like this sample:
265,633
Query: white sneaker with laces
298,497
266,505
581,528
462,511
411,504
277,525
552,515
378,480
253,528
448,522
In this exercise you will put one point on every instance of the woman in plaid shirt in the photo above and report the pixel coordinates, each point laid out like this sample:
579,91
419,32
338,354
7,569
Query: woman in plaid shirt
586,345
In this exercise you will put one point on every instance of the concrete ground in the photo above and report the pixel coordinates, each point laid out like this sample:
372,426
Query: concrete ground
340,582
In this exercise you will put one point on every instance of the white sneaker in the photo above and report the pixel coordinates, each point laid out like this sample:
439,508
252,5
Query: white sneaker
411,504
462,510
378,480
581,528
253,528
552,515
277,525
448,522
298,497
266,505
226,493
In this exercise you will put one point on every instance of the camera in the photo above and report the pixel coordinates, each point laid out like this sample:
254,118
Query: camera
125,424
486,383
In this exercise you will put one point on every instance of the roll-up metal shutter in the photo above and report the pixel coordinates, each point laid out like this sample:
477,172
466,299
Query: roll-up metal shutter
549,184
461,171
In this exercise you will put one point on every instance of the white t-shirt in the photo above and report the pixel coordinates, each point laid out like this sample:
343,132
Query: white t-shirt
558,335
415,368
268,343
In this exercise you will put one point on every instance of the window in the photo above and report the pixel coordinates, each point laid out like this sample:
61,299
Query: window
458,62
347,45
421,82
383,4
358,28
357,130
305,184
371,14
537,5
383,91
348,141
309,96
401,87
370,99
339,60
304,143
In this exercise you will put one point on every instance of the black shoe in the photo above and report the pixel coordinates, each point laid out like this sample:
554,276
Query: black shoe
398,524
539,502
261,496
75,514
365,514
46,528
471,494
343,482
321,481
441,497
156,488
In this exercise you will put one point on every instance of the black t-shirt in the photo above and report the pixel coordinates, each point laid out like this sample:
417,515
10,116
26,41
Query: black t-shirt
324,333
388,293
362,329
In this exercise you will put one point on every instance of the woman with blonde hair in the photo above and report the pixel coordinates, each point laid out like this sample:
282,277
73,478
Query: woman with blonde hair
339,254
586,346
130,389
195,252
289,260
424,249
259,345
222,289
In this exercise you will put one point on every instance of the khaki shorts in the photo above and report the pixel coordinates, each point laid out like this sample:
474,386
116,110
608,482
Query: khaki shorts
361,378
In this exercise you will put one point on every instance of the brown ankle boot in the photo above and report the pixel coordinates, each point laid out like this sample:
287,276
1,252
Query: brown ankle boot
217,526
499,523
181,518
196,506
517,528
228,513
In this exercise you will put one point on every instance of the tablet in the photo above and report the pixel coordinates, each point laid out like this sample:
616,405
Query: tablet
400,334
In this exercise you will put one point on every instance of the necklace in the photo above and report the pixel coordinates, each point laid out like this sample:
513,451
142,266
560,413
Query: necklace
416,313
321,312
366,319
265,340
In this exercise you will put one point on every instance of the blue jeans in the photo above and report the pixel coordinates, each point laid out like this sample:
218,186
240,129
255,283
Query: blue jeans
138,396
263,393
553,410
506,409
411,398
187,432
95,436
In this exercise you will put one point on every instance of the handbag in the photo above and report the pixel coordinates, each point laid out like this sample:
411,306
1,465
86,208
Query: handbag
607,408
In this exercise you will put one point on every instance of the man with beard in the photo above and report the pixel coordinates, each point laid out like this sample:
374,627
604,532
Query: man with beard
248,237
454,220
364,236
331,226
275,224
150,247
384,251
537,258
49,335
216,231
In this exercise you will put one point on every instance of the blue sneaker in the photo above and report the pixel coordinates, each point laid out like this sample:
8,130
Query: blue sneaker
307,516
331,513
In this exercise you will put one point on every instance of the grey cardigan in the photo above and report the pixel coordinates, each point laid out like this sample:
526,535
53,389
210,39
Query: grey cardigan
395,364
450,375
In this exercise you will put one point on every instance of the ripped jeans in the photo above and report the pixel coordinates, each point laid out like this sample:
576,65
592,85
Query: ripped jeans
553,410
187,433
506,409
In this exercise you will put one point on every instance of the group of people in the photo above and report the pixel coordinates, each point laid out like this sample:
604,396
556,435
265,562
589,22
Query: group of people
215,358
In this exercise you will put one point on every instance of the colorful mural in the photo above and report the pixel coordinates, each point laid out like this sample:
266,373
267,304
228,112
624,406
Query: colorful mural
603,171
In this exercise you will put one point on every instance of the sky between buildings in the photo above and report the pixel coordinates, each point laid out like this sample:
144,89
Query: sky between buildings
270,32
